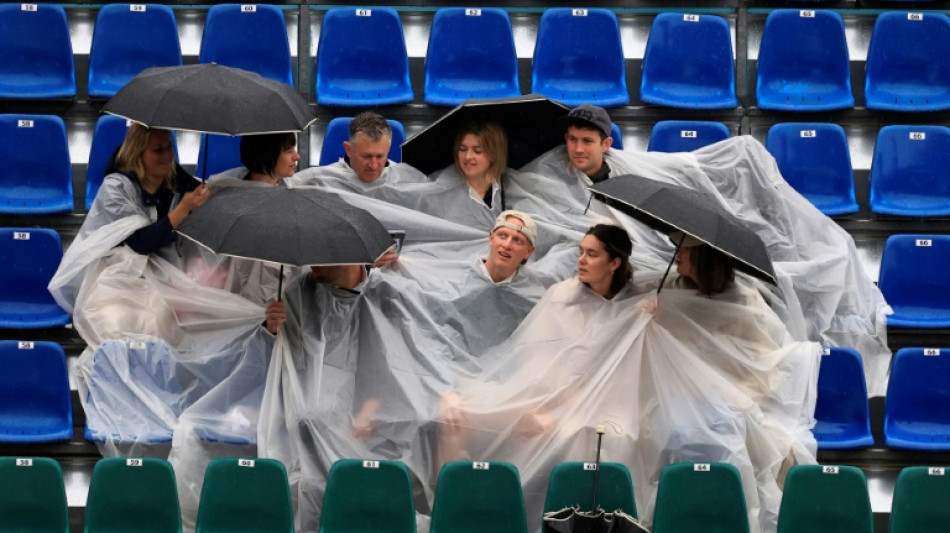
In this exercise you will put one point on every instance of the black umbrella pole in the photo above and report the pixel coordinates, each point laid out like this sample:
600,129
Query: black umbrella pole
204,169
600,435
669,266
280,282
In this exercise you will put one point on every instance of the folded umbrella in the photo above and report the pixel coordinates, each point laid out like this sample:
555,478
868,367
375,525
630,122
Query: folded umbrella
670,208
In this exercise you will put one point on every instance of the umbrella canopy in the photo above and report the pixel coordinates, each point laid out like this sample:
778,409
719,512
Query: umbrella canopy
530,122
288,226
669,208
573,520
211,98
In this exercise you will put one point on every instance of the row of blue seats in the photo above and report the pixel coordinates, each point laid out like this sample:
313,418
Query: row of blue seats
814,158
238,495
361,58
35,403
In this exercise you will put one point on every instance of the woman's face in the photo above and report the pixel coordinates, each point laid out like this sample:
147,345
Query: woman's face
594,266
683,264
159,156
286,162
472,158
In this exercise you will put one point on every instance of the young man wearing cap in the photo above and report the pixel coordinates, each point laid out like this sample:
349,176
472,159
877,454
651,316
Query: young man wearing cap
511,243
587,136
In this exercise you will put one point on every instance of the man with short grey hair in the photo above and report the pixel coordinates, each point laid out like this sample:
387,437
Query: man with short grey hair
367,150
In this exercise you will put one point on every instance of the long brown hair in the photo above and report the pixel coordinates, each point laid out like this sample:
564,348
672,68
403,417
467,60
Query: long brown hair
713,271
618,245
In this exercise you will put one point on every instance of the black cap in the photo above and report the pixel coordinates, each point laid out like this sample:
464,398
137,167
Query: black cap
587,115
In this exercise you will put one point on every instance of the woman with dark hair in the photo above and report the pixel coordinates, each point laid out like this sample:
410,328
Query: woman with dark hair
604,262
269,158
702,267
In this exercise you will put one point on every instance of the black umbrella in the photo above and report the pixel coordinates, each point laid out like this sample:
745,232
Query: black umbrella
211,98
530,122
287,226
670,208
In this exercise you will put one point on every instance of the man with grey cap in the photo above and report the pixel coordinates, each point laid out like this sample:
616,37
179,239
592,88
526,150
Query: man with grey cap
587,136
511,243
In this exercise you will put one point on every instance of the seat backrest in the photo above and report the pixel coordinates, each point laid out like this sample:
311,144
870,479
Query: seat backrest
31,257
107,136
572,485
248,36
36,53
921,502
580,45
803,52
245,495
37,177
217,153
338,130
825,499
685,135
368,496
700,497
132,494
914,271
917,389
842,391
902,72
910,160
617,136
814,159
688,58
361,44
32,495
35,404
478,496
127,39
474,44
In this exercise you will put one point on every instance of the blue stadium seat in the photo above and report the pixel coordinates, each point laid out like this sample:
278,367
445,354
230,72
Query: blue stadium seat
688,63
471,54
914,280
685,135
248,36
478,496
35,405
106,138
617,136
814,159
36,52
30,258
578,58
909,171
129,38
915,411
338,130
842,407
362,58
902,72
222,152
37,177
803,62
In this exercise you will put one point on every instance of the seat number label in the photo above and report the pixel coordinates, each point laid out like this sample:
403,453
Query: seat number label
29,462
826,351
370,464
590,466
24,123
917,136
480,465
915,16
25,345
473,12
27,7
246,463
931,351
808,134
364,12
690,18
923,242
579,12
701,467
688,134
935,471
248,8
806,14
829,470
133,462
138,8
21,235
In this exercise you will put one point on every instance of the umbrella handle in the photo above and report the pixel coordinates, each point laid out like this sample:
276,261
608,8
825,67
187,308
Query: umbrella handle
280,281
669,266
600,435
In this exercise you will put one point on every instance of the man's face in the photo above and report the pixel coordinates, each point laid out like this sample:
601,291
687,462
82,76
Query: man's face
508,249
585,148
367,157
